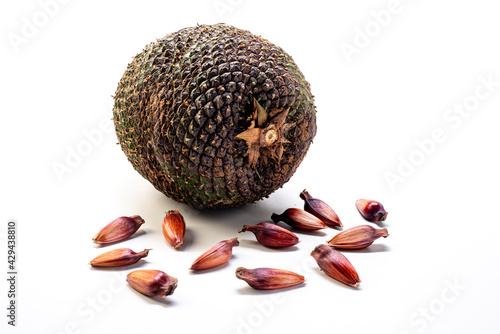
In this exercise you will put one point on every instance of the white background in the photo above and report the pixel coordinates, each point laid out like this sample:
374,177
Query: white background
437,272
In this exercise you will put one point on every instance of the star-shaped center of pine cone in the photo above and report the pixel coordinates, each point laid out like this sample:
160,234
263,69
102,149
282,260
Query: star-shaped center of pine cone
266,138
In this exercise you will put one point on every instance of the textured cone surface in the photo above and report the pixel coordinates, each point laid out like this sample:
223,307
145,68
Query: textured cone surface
184,99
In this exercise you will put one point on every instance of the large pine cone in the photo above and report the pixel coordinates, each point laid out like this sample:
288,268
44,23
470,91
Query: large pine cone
214,116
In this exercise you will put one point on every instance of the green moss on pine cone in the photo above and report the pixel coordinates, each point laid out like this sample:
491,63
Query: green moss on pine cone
214,116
